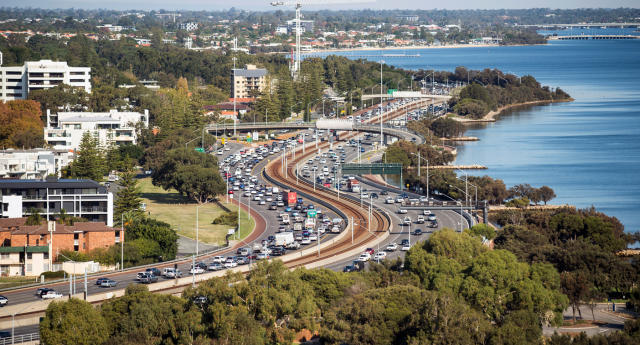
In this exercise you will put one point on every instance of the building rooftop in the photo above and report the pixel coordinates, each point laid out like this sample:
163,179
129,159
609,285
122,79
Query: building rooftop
250,73
50,183
17,227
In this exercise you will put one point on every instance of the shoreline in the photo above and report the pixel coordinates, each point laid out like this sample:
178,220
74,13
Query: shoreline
356,49
492,115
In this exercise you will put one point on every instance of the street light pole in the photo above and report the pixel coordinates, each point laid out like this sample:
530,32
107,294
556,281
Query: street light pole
381,117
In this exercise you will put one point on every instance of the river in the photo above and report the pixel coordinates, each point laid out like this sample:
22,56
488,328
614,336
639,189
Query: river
588,150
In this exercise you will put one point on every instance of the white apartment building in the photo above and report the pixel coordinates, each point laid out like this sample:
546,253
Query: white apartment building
64,130
244,81
190,26
33,164
16,82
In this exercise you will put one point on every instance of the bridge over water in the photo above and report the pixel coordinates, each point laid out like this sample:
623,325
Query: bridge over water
594,37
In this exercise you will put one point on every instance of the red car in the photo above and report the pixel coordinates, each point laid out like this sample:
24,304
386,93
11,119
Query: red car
230,192
370,251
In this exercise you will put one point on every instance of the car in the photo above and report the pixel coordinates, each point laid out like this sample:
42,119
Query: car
219,259
417,232
215,266
389,200
51,294
155,271
424,199
370,251
364,257
433,224
426,212
242,260
100,280
305,240
172,273
399,200
349,268
230,263
384,192
200,300
402,211
3,301
407,221
148,278
405,247
262,256
404,241
432,217
108,283
40,291
392,247
380,256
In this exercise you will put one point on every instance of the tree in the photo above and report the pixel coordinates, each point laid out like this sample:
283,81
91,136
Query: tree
89,162
546,194
20,124
156,231
576,286
128,196
191,173
483,230
35,218
73,322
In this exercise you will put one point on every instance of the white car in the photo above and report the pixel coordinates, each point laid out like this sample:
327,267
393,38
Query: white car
392,247
405,247
196,270
305,240
364,257
51,295
313,237
230,264
226,148
389,201
380,256
432,217
218,259
424,199
399,200
402,211
407,221
220,152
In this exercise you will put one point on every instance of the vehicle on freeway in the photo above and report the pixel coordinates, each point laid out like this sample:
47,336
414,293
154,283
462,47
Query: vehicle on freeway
230,263
294,245
278,251
370,251
426,212
364,257
389,200
420,219
148,278
3,301
433,224
108,283
432,217
384,192
404,241
380,256
305,240
402,211
219,259
349,268
262,256
51,294
406,221
40,291
399,200
242,260
405,247
155,271
172,273
200,300
424,199
100,280
313,237
215,266
417,232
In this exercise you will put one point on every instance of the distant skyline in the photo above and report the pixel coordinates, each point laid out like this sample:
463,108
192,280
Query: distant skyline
264,5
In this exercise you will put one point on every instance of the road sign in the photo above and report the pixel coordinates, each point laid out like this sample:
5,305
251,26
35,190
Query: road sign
200,149
222,141
312,213
391,91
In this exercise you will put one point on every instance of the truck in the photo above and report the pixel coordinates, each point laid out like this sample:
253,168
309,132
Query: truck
310,223
354,186
285,218
284,238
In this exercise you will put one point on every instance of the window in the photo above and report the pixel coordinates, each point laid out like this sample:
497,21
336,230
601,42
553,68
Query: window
77,73
77,80
14,72
77,126
13,80
75,248
56,75
5,256
14,87
29,256
46,256
76,236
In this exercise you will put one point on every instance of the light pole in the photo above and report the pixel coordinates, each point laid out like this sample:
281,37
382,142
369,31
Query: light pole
461,216
198,229
381,117
419,165
466,186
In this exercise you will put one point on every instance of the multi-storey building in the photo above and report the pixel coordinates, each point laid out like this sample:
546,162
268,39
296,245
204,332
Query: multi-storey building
16,82
29,250
65,129
33,164
248,82
80,198
305,26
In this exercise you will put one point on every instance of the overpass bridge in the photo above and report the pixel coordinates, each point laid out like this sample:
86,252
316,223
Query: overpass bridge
339,125
584,25
407,94
594,37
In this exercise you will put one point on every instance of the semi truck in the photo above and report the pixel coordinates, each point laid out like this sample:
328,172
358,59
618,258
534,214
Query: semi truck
354,186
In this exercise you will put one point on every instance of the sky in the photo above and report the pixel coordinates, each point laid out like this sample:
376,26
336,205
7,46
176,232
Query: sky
263,5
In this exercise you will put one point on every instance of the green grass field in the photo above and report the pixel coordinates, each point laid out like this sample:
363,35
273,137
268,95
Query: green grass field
180,212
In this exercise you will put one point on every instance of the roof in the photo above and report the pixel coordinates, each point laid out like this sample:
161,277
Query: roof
226,106
17,227
61,183
90,119
250,73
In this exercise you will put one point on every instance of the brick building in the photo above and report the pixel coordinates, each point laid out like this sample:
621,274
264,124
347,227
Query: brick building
28,249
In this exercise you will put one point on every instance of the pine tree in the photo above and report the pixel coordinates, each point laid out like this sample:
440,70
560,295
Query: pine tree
89,162
128,197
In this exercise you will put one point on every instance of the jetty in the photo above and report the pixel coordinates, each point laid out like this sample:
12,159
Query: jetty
461,139
594,37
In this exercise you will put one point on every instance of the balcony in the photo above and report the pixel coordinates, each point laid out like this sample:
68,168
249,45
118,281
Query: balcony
94,209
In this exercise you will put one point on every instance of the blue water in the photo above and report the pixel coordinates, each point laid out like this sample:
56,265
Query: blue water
588,150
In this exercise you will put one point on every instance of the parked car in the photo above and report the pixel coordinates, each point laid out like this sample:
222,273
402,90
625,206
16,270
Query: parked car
108,283
51,294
